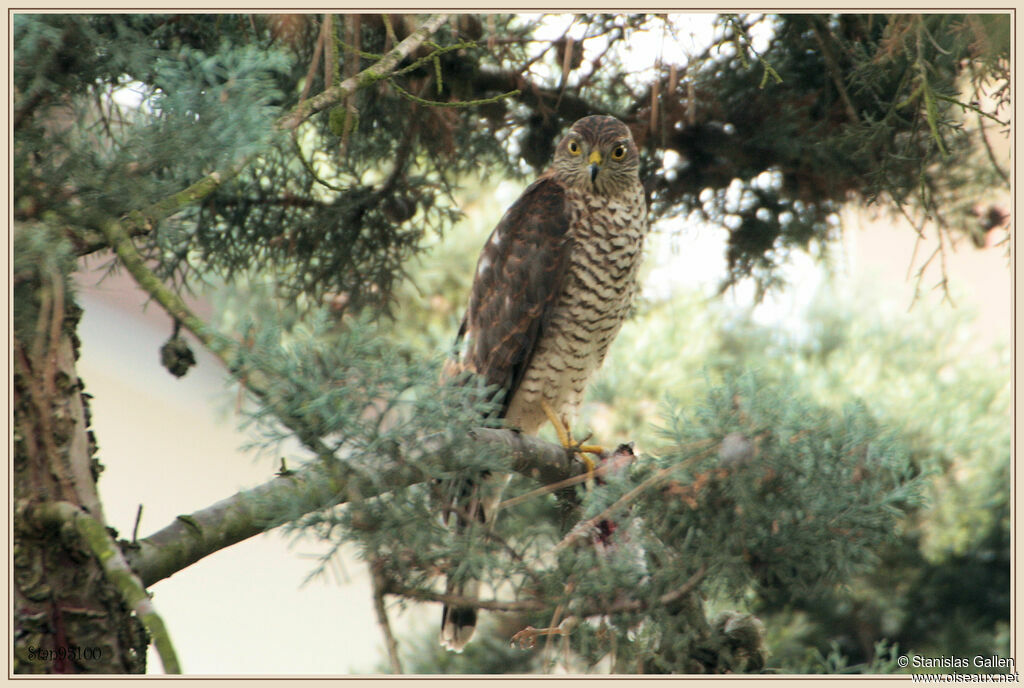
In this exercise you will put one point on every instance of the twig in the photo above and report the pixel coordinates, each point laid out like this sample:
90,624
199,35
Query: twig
685,589
330,50
990,152
352,35
569,622
308,165
554,487
969,106
401,157
525,67
314,63
135,528
918,227
526,638
556,616
389,31
380,70
462,601
944,282
453,103
919,277
741,30
832,65
598,61
382,618
582,529
118,239
913,255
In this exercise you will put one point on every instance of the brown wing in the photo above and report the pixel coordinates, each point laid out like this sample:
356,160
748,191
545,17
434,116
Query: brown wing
518,278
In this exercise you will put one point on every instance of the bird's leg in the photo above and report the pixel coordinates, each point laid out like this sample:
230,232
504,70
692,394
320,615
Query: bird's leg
565,439
560,429
527,638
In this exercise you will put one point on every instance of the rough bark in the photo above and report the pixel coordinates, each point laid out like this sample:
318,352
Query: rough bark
68,618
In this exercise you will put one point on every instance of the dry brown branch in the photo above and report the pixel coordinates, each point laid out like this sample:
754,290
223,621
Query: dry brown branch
834,71
382,618
313,63
382,69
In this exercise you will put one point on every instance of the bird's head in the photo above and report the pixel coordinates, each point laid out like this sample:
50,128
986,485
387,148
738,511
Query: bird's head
598,154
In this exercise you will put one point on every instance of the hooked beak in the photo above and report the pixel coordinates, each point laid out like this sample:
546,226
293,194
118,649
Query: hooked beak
595,165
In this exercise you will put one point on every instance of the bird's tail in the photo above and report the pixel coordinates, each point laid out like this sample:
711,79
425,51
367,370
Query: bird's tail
458,623
480,499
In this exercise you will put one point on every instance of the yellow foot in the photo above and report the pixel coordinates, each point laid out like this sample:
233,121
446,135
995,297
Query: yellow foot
565,439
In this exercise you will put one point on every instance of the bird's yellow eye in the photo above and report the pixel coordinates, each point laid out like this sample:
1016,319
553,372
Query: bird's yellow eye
619,152
574,147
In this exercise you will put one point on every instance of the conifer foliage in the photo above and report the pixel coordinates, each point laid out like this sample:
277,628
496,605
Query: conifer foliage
317,155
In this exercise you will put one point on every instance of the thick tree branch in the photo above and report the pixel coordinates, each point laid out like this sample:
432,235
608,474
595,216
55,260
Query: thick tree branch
250,512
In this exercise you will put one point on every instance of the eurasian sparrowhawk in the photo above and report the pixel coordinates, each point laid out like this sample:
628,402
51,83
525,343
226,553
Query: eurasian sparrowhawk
553,284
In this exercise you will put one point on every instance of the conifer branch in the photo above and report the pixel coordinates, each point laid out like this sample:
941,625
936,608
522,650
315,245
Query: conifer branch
191,538
118,238
139,222
382,69
308,165
247,513
225,349
973,108
586,527
98,541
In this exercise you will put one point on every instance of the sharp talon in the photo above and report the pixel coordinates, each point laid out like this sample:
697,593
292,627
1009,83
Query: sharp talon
571,446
